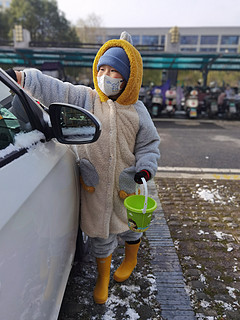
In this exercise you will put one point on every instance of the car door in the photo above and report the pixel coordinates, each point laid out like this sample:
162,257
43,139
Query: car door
39,212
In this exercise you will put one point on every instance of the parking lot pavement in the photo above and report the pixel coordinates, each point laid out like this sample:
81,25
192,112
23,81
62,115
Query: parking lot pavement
202,211
188,263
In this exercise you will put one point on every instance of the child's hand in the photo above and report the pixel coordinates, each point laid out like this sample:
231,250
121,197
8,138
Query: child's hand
142,174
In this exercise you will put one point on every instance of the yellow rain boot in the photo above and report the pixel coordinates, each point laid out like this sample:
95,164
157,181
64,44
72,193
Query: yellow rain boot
100,293
128,264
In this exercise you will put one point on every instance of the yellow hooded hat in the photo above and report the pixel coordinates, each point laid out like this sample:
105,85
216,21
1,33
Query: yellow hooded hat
131,91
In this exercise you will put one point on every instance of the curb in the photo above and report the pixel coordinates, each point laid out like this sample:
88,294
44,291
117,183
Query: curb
174,301
198,173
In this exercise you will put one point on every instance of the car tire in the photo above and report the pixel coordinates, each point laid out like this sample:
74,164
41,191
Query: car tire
81,246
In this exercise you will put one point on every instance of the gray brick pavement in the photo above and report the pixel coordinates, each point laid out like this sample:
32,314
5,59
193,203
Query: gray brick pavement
172,296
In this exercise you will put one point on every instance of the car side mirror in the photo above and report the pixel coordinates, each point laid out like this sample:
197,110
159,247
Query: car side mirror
73,125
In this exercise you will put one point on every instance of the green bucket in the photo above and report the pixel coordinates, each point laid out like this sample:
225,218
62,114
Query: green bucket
139,210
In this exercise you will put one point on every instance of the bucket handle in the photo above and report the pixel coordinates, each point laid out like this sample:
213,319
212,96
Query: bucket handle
146,194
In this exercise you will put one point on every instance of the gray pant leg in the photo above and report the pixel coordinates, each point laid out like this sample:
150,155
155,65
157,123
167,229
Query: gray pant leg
102,248
131,235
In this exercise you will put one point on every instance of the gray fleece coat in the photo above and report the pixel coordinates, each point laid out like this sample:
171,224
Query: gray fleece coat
129,143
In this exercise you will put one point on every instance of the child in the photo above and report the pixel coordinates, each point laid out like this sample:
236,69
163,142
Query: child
127,150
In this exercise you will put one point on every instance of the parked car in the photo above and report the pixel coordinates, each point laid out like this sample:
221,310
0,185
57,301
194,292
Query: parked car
39,204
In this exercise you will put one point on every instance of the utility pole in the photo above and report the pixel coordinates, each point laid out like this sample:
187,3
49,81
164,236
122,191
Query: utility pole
21,37
173,46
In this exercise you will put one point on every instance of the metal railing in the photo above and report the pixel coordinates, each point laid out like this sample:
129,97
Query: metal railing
8,43
58,44
79,45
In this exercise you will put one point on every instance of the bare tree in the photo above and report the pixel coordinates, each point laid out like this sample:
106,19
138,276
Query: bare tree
88,29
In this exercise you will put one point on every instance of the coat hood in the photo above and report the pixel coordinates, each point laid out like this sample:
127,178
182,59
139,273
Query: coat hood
131,91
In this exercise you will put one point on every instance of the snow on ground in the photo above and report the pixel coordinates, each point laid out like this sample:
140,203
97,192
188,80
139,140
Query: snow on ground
132,300
209,195
129,299
222,235
215,195
231,292
212,195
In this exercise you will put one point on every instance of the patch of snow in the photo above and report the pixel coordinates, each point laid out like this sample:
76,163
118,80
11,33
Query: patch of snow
235,269
114,301
201,316
205,304
210,195
221,235
109,316
151,278
232,199
188,289
231,292
236,304
176,244
131,288
202,232
225,305
22,140
132,314
202,278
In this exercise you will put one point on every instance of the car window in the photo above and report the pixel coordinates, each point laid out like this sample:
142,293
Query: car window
13,117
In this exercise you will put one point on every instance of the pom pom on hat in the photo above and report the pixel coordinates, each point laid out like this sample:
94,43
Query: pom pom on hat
126,36
117,58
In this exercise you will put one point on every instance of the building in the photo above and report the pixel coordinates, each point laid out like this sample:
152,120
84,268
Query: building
192,39
4,4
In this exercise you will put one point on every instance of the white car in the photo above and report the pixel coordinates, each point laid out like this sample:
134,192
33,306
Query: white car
39,200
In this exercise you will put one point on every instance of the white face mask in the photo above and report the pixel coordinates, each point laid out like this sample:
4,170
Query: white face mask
109,86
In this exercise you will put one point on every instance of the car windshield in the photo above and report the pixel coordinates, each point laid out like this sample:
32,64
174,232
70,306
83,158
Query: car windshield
13,117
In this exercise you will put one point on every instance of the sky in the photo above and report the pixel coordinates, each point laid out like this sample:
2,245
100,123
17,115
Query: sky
155,13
